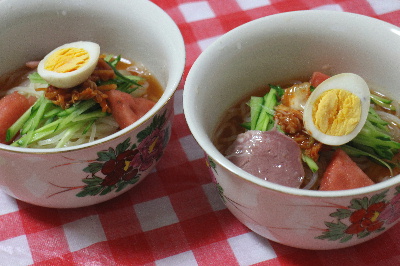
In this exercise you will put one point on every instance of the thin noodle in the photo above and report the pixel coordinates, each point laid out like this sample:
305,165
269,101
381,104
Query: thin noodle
394,124
313,180
362,162
397,107
244,110
389,117
92,132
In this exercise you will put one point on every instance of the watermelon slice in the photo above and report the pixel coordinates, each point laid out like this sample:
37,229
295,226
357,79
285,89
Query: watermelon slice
12,106
317,78
343,173
127,109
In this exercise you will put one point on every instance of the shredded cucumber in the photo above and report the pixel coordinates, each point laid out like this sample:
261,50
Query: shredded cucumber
34,125
262,109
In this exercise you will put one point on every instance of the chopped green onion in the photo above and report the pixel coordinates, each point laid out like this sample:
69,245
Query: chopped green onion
108,57
125,83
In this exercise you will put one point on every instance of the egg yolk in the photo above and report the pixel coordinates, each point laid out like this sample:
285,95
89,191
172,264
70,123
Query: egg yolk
336,112
67,60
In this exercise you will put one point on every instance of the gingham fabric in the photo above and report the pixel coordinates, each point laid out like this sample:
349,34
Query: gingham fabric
175,216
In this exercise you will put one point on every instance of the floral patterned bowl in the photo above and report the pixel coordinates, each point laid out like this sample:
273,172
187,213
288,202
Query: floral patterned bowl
271,50
95,172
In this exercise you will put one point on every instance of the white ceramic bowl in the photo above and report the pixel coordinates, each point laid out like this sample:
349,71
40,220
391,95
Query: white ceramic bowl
278,48
138,30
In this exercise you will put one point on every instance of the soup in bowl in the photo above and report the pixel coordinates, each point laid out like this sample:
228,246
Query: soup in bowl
86,109
283,107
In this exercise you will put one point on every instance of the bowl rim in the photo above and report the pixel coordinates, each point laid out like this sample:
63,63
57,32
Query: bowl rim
205,143
169,91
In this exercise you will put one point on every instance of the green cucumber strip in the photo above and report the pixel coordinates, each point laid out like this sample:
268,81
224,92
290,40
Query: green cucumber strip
69,133
255,109
81,107
92,115
385,103
86,129
310,162
53,112
265,118
39,114
16,127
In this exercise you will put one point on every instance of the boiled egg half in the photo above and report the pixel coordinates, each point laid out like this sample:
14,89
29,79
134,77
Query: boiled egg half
70,64
337,109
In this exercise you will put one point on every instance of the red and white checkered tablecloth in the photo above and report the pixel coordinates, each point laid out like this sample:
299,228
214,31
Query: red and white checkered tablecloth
175,216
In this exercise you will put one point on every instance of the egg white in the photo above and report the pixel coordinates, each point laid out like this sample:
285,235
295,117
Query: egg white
345,81
74,78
